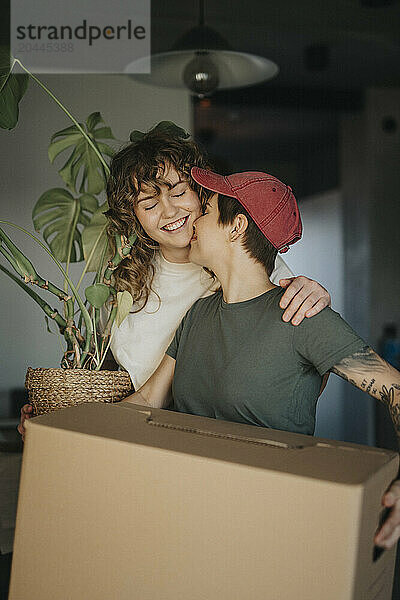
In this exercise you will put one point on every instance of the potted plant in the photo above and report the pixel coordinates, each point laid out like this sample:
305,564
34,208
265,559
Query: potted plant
74,229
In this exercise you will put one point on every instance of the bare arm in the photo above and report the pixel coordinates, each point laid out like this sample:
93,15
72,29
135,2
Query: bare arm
370,373
156,392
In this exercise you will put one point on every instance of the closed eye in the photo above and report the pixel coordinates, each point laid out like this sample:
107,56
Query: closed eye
150,207
178,195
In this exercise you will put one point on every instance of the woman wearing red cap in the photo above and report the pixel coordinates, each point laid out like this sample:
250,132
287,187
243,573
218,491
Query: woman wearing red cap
233,357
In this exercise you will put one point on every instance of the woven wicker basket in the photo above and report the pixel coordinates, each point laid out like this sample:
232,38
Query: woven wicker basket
51,389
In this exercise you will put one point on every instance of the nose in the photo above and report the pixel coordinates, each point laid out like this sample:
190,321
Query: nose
169,209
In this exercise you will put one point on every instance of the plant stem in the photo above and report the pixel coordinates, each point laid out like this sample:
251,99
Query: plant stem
85,313
70,337
8,76
70,242
95,336
50,312
89,141
99,270
27,271
105,352
107,330
123,247
89,258
61,346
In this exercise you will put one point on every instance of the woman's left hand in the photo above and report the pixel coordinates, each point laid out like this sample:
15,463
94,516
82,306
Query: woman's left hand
303,297
389,533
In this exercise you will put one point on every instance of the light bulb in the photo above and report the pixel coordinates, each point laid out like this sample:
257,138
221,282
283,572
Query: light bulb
201,75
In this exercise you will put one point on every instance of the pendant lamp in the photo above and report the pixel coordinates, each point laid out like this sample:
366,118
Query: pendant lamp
203,61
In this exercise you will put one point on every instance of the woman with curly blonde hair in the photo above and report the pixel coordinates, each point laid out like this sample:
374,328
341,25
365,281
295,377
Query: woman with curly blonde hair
146,164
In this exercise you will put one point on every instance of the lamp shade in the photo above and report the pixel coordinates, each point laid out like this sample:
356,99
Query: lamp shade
231,69
235,69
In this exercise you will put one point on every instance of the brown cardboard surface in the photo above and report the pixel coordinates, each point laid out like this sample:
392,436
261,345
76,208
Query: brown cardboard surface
120,501
349,463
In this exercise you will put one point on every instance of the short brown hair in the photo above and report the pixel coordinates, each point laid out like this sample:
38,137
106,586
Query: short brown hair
254,242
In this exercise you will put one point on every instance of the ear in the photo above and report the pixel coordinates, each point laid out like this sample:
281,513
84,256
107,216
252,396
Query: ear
238,227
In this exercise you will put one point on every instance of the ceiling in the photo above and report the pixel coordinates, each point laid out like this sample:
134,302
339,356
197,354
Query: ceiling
290,124
363,42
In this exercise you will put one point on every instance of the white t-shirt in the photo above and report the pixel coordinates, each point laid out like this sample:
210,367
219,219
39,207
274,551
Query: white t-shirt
140,342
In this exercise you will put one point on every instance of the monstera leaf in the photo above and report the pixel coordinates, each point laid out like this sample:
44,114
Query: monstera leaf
83,161
59,214
12,88
94,239
165,127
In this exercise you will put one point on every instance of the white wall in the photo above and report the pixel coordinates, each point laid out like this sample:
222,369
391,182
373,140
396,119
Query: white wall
320,255
25,173
369,178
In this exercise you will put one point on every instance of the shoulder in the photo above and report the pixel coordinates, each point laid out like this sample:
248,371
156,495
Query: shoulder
203,305
201,309
327,323
325,339
272,298
327,317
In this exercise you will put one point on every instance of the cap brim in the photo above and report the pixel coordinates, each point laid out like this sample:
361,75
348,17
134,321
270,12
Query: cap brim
212,181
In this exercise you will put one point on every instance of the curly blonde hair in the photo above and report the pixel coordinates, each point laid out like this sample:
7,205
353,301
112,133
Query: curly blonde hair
140,164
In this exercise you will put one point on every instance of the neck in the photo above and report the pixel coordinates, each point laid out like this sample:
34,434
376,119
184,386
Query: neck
242,278
176,255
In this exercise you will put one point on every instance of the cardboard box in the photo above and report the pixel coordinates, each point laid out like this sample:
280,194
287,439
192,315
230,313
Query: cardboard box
123,502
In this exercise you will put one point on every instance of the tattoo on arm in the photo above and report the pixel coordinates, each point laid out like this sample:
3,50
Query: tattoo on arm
388,396
370,373
366,361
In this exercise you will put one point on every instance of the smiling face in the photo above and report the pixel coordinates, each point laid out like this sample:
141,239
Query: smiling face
210,238
168,217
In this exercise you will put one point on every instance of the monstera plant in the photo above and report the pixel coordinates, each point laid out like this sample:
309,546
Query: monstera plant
73,227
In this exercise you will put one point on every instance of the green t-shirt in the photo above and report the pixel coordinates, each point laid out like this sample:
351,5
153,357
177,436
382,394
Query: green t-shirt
241,362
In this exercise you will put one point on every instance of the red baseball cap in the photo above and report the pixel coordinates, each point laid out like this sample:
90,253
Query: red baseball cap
270,203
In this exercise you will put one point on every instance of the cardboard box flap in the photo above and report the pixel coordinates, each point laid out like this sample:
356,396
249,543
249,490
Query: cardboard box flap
249,445
247,434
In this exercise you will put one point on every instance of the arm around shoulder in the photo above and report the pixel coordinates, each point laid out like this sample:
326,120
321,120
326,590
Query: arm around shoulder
303,298
157,391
